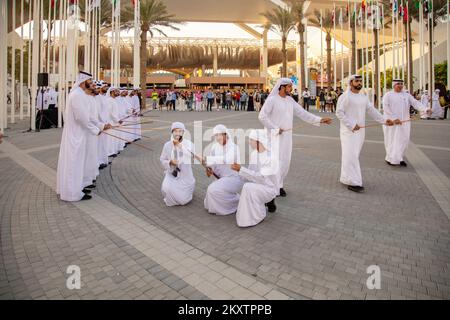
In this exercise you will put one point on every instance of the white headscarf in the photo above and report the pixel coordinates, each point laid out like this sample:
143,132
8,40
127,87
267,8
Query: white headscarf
261,136
280,82
396,81
220,128
108,93
82,77
177,125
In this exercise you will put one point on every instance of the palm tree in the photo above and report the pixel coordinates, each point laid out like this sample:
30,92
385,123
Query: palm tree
327,24
282,21
154,15
298,10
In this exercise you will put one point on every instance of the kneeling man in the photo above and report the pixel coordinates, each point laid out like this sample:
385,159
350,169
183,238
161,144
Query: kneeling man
222,196
261,181
176,158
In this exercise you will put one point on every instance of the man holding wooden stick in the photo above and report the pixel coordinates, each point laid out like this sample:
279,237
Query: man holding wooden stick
351,111
396,105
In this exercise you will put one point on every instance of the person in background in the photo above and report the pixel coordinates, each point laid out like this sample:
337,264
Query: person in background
154,99
295,95
306,95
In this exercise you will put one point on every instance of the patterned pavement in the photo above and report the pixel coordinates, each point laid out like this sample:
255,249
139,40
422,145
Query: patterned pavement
317,245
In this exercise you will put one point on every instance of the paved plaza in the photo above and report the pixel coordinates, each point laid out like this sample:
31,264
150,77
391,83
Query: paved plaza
318,245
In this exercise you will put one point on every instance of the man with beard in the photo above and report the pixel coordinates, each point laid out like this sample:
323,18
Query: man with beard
277,116
396,105
77,128
351,111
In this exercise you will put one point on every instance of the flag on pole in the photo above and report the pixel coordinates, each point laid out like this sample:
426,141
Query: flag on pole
360,17
363,5
405,14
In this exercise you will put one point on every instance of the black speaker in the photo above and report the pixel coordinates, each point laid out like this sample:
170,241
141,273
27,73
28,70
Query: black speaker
42,79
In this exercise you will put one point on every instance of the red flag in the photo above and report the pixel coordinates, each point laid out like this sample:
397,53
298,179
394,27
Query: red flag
363,5
405,14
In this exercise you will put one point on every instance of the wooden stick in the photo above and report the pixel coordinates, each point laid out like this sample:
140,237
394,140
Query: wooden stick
129,132
133,124
130,142
203,163
383,124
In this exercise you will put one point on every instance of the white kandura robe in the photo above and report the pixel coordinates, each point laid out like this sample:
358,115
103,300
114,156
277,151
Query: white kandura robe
103,141
396,138
222,196
122,113
351,110
177,191
137,110
91,170
261,186
277,113
436,110
72,153
425,99
114,145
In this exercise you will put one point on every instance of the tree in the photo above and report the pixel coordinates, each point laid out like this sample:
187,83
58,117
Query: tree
327,24
298,10
282,21
154,15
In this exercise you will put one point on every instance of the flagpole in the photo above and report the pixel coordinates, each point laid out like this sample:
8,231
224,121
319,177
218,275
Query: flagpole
342,49
54,39
13,68
321,50
86,53
99,39
350,30
29,56
35,68
402,28
366,67
448,45
3,62
408,49
356,39
360,18
432,47
421,46
373,57
21,62
306,54
334,43
60,75
136,61
384,51
112,43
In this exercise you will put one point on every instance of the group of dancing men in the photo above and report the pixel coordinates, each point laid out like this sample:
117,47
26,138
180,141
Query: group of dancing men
249,192
87,143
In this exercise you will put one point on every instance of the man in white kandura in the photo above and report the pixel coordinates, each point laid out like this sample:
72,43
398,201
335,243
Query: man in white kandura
104,116
135,103
91,168
114,145
351,111
72,153
261,181
222,196
425,100
176,158
277,116
437,112
396,105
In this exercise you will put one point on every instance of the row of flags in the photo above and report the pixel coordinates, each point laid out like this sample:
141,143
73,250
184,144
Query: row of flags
398,8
